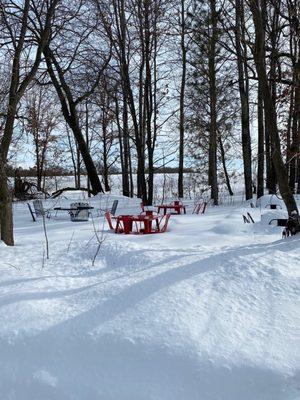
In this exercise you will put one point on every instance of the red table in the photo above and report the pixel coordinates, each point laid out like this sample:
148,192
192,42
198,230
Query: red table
127,222
176,207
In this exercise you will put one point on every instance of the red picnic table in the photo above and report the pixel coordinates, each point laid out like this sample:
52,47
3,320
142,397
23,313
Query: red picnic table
178,208
125,223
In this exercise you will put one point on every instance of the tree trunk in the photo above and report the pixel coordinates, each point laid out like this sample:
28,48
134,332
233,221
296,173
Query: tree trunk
212,175
125,137
224,167
260,147
70,114
6,215
295,147
105,155
123,144
181,102
270,112
244,97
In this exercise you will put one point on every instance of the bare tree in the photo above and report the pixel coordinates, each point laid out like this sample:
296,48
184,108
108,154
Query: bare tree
241,53
41,120
270,112
75,67
183,46
20,41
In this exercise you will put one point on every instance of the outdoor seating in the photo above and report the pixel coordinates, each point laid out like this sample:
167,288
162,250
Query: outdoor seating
31,212
145,208
177,206
165,220
148,212
109,219
114,207
273,206
140,224
111,210
278,221
248,218
78,212
200,208
38,210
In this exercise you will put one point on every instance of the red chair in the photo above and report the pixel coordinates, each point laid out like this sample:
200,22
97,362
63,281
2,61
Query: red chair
177,203
127,224
164,227
148,212
109,221
110,224
200,208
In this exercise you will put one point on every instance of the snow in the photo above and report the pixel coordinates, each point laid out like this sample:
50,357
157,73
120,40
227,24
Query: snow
208,310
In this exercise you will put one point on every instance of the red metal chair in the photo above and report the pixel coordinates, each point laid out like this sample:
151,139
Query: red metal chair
109,220
177,203
164,227
200,208
127,224
148,212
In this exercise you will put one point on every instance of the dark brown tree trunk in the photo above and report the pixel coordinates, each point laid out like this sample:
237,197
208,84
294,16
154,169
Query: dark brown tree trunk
78,166
105,172
227,180
123,145
16,91
6,214
270,170
244,97
87,139
181,102
271,180
289,138
261,142
72,158
125,137
148,100
270,112
295,145
120,42
212,174
70,114
293,150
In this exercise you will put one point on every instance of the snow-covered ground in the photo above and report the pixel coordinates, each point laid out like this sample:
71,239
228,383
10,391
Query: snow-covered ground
209,310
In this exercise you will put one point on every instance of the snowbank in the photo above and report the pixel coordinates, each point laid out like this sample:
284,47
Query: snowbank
208,310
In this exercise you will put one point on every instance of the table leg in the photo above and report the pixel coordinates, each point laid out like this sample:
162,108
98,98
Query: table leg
157,226
184,209
147,226
117,226
127,225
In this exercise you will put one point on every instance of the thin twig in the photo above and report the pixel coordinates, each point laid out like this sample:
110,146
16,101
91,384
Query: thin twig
100,240
11,265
